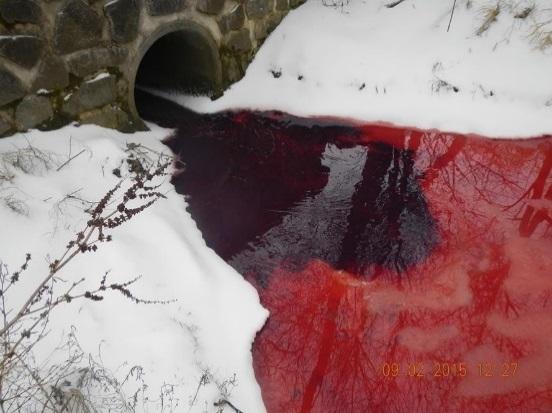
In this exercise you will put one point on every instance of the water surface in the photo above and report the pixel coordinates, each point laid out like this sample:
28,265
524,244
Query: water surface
404,270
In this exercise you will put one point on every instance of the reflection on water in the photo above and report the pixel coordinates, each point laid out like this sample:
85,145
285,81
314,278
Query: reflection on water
404,271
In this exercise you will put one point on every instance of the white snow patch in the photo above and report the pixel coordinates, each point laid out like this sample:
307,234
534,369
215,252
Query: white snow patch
99,76
17,36
111,3
374,63
214,321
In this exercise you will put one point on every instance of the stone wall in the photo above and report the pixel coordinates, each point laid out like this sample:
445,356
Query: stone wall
76,60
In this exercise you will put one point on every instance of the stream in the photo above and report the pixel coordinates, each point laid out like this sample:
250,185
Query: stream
404,270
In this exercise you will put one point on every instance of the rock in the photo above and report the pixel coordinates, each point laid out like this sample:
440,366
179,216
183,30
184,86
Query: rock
282,5
6,123
23,50
92,94
264,27
32,111
110,116
239,41
52,74
210,6
122,87
78,27
257,9
261,29
295,3
20,11
87,62
11,88
232,20
274,20
163,7
232,69
124,19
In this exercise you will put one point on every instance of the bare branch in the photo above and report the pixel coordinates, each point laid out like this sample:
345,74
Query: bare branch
394,4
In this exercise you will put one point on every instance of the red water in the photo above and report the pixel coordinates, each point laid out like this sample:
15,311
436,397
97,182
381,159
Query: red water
404,270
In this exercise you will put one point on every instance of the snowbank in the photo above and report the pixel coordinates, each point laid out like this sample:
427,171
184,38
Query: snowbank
400,65
212,325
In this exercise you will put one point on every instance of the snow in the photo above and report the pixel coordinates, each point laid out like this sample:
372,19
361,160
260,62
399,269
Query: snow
16,36
211,326
365,62
99,76
372,63
111,3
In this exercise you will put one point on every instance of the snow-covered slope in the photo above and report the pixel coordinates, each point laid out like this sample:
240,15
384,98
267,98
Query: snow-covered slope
208,330
401,65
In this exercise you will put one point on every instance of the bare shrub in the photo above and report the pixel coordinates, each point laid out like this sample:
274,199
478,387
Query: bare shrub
29,160
489,16
27,384
541,32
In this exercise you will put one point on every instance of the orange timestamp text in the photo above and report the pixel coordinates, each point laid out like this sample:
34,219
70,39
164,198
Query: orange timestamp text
442,370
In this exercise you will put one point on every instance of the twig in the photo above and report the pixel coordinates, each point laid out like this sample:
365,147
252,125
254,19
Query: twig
202,382
223,402
451,15
23,329
31,147
69,160
55,269
39,383
395,3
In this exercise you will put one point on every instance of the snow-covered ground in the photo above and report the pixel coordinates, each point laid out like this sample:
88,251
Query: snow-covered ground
363,61
208,330
401,65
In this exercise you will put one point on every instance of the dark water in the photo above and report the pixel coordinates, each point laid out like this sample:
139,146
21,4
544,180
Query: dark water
404,270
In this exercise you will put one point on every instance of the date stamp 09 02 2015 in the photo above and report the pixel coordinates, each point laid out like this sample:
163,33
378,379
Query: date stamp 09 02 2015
445,370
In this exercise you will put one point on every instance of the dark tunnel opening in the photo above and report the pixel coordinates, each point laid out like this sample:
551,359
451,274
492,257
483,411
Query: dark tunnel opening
185,61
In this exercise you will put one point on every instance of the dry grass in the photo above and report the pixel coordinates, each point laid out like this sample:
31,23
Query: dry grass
336,4
28,160
525,15
15,204
490,14
541,33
